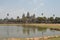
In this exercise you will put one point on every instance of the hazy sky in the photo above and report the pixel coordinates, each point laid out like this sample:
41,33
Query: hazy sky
18,7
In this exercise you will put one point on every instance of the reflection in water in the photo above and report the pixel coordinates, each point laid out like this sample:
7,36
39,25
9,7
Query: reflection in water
28,30
41,29
25,31
54,31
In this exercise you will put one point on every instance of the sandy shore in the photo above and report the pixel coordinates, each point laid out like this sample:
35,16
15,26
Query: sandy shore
36,38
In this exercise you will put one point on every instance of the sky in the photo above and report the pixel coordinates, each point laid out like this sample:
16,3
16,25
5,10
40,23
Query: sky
18,7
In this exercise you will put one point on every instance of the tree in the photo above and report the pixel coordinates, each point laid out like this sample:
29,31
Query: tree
6,19
7,15
1,21
32,19
12,19
51,19
18,19
33,16
57,20
53,15
42,14
40,19
24,20
44,19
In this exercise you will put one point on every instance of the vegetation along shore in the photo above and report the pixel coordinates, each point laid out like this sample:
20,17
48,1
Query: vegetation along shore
37,25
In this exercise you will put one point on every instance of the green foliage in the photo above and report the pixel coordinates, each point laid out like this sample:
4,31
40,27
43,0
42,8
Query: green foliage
57,20
51,20
41,19
31,19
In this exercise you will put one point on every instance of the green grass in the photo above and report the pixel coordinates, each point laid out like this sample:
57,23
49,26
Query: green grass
55,38
29,39
38,25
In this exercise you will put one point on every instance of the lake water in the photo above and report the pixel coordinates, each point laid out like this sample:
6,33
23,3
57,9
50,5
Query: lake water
25,31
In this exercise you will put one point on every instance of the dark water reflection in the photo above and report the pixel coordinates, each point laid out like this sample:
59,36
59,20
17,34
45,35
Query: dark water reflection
25,31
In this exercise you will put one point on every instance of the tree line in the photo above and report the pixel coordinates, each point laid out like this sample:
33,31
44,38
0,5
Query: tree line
30,19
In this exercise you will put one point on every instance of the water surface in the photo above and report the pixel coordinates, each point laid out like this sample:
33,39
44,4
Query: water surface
25,31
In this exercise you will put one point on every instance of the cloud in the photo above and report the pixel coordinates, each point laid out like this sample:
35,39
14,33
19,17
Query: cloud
37,3
34,1
13,12
31,6
41,4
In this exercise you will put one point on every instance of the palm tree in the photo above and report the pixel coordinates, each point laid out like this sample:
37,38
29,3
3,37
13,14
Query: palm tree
53,12
53,15
42,14
7,14
18,19
7,17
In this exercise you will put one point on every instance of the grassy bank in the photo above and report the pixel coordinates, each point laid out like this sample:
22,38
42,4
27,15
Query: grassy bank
55,38
38,25
30,39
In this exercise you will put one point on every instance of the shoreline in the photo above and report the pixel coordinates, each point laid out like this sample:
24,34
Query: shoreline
39,25
50,26
35,38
